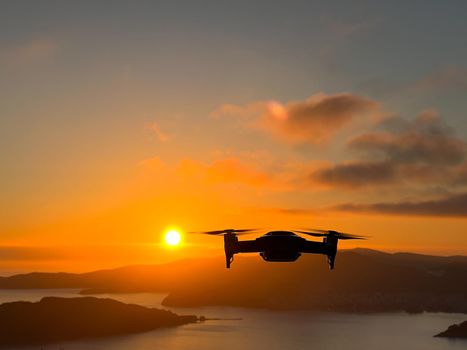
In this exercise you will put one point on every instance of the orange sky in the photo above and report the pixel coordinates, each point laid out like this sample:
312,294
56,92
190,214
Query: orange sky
118,126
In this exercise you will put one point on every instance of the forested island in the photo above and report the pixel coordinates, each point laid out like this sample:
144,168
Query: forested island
455,331
53,320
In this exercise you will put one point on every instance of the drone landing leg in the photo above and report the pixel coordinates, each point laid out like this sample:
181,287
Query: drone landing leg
228,260
331,259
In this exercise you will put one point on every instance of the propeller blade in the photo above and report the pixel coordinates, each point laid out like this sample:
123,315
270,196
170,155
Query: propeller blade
207,232
225,231
317,230
349,236
246,230
340,235
314,234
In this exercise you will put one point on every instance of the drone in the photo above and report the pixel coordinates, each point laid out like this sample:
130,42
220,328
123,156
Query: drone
282,246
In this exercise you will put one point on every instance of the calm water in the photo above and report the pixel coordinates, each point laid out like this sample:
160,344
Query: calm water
273,330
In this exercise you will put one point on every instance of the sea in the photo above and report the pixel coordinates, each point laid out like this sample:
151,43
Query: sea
251,329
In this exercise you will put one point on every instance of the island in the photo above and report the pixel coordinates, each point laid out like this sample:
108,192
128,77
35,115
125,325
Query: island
54,319
455,331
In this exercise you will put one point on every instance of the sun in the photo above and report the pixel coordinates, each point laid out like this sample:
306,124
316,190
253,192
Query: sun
173,238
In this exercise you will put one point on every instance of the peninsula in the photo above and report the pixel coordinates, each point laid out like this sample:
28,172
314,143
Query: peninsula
53,320
455,331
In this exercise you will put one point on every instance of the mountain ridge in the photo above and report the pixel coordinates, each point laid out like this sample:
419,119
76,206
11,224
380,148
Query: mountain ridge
363,281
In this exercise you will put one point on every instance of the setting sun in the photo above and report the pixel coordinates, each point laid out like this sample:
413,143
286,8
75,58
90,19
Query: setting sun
172,237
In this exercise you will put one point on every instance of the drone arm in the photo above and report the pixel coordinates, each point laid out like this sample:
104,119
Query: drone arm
314,247
233,246
248,247
328,248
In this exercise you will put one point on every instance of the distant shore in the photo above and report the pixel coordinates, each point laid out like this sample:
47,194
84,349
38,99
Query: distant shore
364,281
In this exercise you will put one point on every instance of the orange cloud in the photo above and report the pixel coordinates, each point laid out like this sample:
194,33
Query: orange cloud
235,170
228,170
157,131
312,121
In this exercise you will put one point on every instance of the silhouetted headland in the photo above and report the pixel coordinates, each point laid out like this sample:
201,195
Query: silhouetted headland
455,331
55,319
363,281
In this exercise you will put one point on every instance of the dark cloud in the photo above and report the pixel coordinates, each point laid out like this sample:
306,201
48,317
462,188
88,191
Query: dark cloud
315,119
460,175
453,205
356,174
310,121
399,151
425,140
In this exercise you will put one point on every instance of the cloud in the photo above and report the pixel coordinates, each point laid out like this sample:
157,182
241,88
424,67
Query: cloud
157,131
451,206
398,152
244,170
311,121
425,140
225,170
460,175
356,174
232,170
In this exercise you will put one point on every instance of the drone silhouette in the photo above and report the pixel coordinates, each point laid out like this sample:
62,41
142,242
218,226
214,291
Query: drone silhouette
281,246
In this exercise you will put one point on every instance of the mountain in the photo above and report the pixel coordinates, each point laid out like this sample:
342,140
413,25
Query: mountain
455,331
360,283
62,319
154,278
363,281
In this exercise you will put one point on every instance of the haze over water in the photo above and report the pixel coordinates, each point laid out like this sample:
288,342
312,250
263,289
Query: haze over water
280,329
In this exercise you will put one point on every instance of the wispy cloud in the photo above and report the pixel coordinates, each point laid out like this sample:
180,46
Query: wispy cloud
454,205
237,170
156,130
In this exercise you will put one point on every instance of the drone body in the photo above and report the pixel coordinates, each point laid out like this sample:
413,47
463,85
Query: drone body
282,246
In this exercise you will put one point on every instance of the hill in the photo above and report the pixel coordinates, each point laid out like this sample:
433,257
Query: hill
363,281
360,283
62,319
